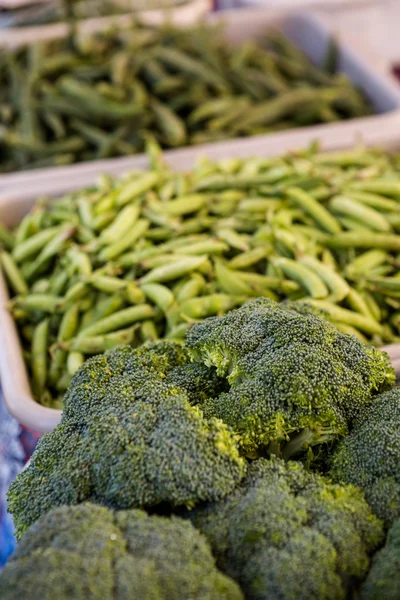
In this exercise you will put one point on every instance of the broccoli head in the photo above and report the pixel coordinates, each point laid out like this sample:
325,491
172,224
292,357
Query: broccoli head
383,581
129,438
289,534
369,456
88,551
296,381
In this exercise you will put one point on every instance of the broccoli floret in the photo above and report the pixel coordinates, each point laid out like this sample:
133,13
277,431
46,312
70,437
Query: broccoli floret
59,473
305,568
296,381
290,534
369,456
199,381
383,581
88,551
128,439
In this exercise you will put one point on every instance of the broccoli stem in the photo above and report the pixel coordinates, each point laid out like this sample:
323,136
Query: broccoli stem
274,448
298,443
304,439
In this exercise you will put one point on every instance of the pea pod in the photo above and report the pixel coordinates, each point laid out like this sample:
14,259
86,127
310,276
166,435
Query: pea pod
13,274
100,343
118,320
314,209
40,355
205,306
174,270
337,286
304,276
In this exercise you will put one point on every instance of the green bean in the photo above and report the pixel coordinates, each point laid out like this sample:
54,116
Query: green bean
13,274
118,320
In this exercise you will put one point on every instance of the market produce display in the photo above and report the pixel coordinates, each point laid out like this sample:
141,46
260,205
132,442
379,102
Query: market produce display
140,432
88,552
101,96
147,255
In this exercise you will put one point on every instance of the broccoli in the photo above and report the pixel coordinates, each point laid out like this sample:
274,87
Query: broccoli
90,552
369,456
383,581
296,381
287,534
129,438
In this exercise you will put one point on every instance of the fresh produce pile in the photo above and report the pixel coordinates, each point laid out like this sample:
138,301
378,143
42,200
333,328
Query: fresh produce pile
239,434
102,96
145,256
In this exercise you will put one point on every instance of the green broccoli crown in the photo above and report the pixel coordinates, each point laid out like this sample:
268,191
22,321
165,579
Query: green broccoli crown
290,534
90,552
296,381
369,456
128,439
383,581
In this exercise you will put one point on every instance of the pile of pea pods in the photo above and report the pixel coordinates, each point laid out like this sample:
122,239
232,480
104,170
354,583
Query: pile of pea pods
144,256
96,96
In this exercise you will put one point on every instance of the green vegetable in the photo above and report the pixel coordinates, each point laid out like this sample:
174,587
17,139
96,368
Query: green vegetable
287,533
88,551
177,248
383,581
130,450
95,96
295,380
369,456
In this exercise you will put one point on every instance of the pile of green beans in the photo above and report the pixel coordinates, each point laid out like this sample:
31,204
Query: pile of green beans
104,95
145,256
